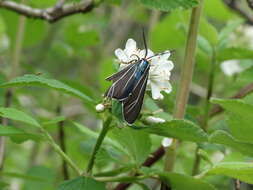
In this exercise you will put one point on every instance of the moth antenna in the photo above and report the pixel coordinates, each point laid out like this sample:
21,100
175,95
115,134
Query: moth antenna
145,43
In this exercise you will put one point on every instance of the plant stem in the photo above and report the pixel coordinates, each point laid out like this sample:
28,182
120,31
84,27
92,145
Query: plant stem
204,122
61,137
105,129
59,150
185,81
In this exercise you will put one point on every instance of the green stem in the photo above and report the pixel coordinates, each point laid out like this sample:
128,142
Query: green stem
100,139
58,150
204,122
185,81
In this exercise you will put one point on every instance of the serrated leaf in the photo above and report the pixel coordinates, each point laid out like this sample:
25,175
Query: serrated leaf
168,5
18,135
240,120
136,142
238,107
35,80
82,183
239,170
183,182
234,53
180,129
17,115
224,138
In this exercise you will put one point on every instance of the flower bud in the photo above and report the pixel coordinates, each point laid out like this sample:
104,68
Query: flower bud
154,120
100,107
166,142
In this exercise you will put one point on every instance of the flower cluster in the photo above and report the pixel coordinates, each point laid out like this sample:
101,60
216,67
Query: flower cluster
160,67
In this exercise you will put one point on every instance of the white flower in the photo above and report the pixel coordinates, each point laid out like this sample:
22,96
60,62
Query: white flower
166,142
231,67
100,107
154,120
160,67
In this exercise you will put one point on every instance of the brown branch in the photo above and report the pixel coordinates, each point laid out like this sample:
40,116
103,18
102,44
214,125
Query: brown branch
51,14
237,7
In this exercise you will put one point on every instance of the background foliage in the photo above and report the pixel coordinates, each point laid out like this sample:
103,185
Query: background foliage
57,78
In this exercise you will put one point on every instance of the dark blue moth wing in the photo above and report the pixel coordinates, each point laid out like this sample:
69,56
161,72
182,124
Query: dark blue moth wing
119,74
123,83
132,105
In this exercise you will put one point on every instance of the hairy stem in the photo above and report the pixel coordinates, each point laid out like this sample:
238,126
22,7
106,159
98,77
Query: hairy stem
105,129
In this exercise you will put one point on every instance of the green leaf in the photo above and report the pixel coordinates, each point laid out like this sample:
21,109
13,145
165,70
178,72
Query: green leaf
229,28
18,135
47,175
82,183
117,109
22,176
235,53
183,182
51,83
168,5
92,134
170,33
218,11
136,142
180,129
17,115
54,120
208,31
239,170
240,120
238,107
222,137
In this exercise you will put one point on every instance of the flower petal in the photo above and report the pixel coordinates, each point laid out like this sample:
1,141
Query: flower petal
130,47
143,52
120,54
155,91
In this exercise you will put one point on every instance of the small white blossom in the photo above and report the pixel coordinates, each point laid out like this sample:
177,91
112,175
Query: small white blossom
166,142
231,67
154,120
160,67
100,107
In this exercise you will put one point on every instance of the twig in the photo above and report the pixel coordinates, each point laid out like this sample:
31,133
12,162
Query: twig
237,184
8,100
51,14
250,3
237,7
61,137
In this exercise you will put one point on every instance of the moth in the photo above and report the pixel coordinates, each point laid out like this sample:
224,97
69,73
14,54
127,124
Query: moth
129,85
